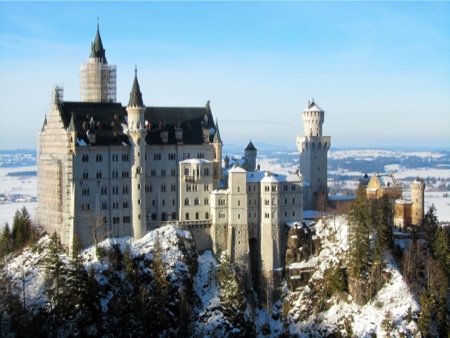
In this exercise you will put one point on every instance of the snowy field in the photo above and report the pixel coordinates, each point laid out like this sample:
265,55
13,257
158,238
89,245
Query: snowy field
26,187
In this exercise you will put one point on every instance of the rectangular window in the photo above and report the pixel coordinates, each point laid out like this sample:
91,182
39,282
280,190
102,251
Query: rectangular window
157,156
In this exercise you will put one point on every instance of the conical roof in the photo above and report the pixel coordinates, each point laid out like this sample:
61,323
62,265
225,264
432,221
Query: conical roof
72,124
136,95
97,50
250,146
217,138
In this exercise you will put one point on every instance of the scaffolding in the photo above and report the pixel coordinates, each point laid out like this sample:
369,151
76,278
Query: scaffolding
97,81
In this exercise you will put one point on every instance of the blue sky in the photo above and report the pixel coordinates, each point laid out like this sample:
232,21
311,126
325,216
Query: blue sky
380,70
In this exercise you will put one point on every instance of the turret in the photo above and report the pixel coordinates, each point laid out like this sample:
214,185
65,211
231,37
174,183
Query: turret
250,153
72,131
313,118
217,143
417,199
137,132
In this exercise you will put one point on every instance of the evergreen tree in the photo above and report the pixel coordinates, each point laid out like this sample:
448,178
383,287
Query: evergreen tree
22,230
160,292
441,249
359,221
5,242
430,224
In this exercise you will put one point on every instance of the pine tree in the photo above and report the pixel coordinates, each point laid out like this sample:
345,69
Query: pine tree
22,230
441,249
359,221
5,242
160,285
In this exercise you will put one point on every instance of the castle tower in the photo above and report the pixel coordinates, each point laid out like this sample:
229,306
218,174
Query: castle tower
238,237
217,162
417,199
313,149
97,78
137,132
250,153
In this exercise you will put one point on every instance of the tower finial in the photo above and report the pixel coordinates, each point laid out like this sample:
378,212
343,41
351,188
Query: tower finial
98,25
135,70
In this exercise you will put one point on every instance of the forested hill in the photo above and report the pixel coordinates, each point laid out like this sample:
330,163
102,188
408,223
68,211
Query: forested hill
345,276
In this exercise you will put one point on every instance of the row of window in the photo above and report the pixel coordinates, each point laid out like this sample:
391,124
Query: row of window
126,157
197,215
187,201
196,172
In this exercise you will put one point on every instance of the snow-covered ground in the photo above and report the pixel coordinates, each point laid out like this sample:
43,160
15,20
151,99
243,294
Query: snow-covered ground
25,186
392,304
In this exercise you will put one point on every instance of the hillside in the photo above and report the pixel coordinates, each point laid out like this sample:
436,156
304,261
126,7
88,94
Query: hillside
160,286
313,311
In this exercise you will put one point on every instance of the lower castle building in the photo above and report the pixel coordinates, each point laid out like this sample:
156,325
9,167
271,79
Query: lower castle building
407,212
108,170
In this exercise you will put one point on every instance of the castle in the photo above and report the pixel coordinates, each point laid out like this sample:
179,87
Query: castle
407,212
108,170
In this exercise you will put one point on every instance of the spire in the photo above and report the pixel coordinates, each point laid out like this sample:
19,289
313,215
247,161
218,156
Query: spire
97,50
72,124
44,124
217,138
136,95
250,146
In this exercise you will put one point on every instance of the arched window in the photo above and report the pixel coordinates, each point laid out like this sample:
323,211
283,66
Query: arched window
206,201
206,172
206,215
186,201
187,216
196,215
196,201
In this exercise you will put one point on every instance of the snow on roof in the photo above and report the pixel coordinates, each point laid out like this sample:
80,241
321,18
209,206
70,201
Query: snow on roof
195,161
313,107
237,170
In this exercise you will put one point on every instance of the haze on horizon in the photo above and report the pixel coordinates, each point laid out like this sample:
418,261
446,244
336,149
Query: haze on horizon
380,70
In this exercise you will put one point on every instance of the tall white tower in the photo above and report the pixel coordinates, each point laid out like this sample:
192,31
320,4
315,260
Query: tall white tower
97,78
313,149
418,201
137,132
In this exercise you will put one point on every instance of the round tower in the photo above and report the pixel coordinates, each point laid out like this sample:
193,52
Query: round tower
313,118
418,201
250,154
313,148
137,132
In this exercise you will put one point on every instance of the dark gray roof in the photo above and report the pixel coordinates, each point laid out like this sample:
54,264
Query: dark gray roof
135,95
109,119
250,146
97,50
